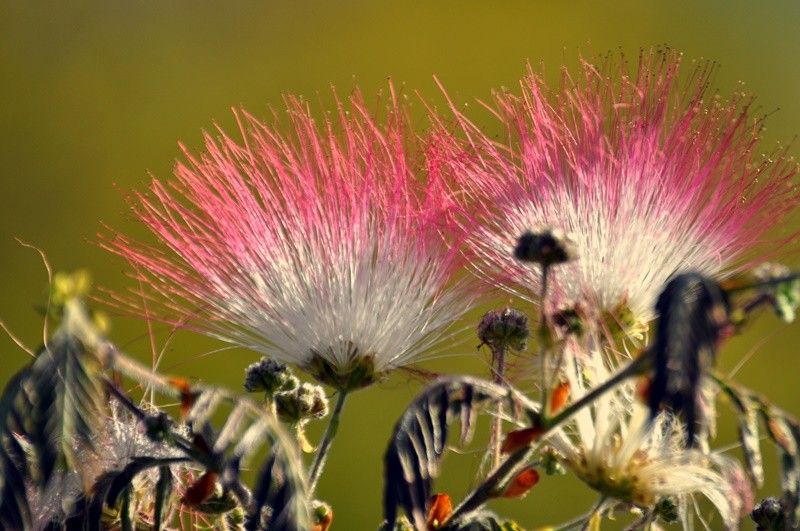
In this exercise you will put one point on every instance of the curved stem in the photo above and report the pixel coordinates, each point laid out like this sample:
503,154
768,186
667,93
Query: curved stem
324,446
493,484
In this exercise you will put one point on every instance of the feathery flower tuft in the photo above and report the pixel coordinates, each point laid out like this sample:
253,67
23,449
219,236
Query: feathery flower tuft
652,176
316,245
613,447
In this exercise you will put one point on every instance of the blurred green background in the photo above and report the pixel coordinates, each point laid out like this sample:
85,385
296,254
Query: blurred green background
96,94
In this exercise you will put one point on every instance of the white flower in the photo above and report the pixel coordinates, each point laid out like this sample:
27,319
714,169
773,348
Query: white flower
611,446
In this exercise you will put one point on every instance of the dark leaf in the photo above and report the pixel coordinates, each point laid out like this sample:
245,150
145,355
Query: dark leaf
420,437
790,481
163,495
126,515
64,398
108,488
248,426
263,488
780,430
749,437
692,312
747,415
14,507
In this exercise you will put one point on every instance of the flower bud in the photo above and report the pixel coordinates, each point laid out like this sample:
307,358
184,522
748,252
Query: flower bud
769,515
667,510
304,403
546,246
785,295
322,514
157,426
269,376
504,328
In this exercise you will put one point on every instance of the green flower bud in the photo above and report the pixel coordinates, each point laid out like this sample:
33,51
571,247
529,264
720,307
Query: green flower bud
270,377
504,328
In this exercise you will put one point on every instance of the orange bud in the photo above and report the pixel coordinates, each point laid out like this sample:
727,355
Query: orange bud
324,522
517,439
439,511
200,490
524,481
187,397
559,398
643,389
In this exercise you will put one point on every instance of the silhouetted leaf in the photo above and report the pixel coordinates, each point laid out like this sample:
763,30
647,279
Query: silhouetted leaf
420,437
163,495
65,400
692,311
108,488
790,480
247,428
749,437
14,507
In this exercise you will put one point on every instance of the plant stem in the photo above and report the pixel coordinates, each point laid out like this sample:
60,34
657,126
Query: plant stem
490,488
544,342
598,510
636,367
324,446
492,485
498,362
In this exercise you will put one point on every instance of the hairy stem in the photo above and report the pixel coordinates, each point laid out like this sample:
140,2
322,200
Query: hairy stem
543,339
498,363
325,445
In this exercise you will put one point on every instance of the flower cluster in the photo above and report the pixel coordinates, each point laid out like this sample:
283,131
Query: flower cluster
319,244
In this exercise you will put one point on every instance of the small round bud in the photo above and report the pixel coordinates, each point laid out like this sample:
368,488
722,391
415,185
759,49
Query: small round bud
667,510
157,426
269,376
785,295
504,328
322,513
769,515
568,321
304,403
551,464
546,246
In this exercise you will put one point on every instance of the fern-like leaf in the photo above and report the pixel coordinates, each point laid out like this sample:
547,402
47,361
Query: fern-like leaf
420,437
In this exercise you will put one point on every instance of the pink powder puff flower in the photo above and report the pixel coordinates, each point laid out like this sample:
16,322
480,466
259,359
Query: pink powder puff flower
318,246
651,176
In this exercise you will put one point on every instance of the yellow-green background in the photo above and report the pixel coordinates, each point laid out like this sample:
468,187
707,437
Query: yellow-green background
93,95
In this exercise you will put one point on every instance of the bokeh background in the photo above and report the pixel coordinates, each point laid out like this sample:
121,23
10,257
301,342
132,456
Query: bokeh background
94,95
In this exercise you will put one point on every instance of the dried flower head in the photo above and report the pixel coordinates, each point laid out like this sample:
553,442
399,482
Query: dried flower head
315,244
652,176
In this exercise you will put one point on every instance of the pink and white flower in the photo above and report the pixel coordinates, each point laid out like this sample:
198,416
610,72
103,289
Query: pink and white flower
318,246
650,174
